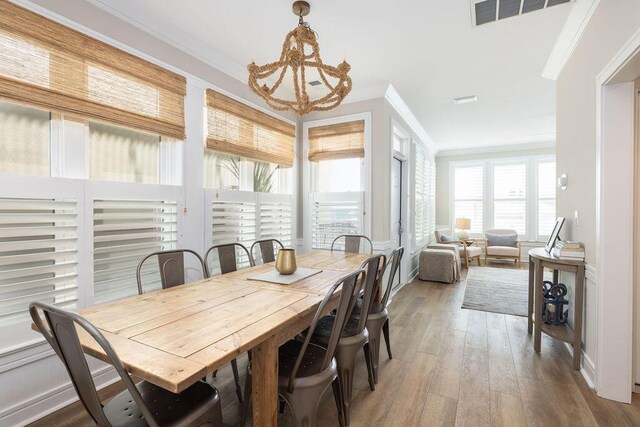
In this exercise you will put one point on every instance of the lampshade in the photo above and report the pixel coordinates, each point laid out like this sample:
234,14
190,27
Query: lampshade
463,223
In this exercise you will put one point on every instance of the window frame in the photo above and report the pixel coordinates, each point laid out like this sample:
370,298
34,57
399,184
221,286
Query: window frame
308,170
531,199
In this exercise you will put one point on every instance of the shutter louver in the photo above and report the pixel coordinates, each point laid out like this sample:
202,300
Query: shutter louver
237,129
124,232
338,141
275,219
546,198
424,216
48,65
510,192
234,222
334,214
468,194
38,255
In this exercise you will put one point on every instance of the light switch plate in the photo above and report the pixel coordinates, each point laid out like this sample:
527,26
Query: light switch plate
575,218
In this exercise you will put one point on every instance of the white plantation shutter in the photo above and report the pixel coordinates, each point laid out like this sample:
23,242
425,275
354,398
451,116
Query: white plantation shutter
275,217
510,197
424,185
546,198
333,214
124,232
468,196
38,255
232,219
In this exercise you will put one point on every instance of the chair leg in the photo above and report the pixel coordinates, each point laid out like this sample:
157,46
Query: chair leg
367,358
236,378
375,332
337,395
385,331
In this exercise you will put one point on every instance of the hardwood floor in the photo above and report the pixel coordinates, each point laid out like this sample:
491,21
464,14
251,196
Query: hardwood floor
450,367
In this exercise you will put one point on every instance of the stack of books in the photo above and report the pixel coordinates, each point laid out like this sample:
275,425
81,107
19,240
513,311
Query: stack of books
568,250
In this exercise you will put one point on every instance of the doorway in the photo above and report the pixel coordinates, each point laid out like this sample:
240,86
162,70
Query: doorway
398,210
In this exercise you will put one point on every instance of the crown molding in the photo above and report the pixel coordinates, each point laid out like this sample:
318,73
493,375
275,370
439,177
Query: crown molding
396,101
570,35
511,148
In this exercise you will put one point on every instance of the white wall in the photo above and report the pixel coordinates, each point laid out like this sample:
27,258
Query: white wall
612,24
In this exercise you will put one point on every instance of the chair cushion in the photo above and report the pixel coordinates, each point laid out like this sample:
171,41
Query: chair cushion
311,362
473,251
510,240
169,409
502,251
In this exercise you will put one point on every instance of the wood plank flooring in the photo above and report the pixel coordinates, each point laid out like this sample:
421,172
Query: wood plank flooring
450,367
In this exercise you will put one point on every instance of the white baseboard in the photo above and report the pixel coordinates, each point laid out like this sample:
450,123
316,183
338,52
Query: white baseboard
52,400
587,368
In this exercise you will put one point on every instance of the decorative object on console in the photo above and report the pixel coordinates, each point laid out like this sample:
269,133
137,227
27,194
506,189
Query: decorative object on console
553,311
462,225
306,68
554,234
568,250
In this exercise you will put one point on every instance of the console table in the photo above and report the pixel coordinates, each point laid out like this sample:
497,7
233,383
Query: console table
539,259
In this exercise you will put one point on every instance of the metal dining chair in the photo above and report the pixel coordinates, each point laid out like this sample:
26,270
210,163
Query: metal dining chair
171,266
378,320
228,257
267,250
305,370
355,336
140,404
351,243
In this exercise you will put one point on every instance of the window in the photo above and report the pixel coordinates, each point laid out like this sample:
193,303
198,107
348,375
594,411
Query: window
424,196
469,196
511,193
546,198
336,176
24,140
121,154
510,197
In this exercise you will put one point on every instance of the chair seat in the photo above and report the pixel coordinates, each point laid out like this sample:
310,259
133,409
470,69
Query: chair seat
169,409
472,251
502,251
325,325
311,362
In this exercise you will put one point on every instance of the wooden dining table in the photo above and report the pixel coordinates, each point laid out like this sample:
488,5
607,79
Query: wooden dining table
174,337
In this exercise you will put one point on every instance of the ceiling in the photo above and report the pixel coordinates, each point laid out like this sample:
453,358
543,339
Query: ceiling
427,49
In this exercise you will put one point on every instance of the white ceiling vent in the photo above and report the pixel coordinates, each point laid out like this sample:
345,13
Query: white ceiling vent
485,11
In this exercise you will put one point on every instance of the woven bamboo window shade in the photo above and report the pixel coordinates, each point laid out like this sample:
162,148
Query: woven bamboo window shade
339,141
237,129
48,65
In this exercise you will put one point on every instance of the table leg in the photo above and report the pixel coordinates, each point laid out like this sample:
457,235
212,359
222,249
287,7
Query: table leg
265,383
556,277
577,318
530,309
537,334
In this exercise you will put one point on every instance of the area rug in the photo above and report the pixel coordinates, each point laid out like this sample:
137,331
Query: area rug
497,290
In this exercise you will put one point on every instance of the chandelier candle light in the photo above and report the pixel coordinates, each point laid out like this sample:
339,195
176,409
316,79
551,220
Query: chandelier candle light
296,57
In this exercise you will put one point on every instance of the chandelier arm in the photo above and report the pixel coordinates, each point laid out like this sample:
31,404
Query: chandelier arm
278,82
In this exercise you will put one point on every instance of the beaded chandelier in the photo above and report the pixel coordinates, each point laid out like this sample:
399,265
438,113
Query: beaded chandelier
297,58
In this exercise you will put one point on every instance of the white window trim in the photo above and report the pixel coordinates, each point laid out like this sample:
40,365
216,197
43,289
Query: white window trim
308,170
488,199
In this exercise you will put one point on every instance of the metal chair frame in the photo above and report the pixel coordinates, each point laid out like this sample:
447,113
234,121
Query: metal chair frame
352,242
171,264
267,251
62,335
227,257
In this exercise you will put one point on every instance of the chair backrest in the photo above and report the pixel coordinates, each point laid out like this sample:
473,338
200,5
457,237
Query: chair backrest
171,267
227,257
352,243
392,266
61,333
350,288
267,250
374,267
501,231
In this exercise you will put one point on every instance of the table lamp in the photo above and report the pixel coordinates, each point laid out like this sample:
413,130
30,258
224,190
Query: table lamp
462,225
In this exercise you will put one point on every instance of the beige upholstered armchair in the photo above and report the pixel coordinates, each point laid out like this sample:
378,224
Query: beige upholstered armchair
468,251
502,244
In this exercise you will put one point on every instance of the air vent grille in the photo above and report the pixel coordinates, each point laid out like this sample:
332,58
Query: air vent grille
486,11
